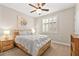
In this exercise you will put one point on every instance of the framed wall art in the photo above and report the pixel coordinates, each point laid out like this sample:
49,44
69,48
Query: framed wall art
21,21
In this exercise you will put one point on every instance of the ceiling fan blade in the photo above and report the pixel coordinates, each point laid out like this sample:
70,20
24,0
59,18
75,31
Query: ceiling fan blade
32,11
45,9
43,4
33,6
38,4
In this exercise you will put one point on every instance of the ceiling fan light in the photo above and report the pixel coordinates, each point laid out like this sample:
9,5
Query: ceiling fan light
38,11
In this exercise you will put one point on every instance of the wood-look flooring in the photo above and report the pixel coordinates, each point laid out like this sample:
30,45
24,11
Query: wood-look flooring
54,50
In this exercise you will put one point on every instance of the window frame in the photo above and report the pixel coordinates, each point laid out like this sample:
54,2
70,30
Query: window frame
49,21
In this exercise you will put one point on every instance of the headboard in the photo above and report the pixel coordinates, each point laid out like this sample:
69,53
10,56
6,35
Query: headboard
17,32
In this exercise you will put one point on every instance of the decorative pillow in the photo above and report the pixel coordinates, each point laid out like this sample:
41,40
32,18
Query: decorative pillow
25,33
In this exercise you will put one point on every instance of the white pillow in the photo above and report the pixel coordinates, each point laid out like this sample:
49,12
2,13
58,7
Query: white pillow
25,33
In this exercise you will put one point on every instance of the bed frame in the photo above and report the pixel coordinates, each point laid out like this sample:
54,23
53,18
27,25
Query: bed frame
40,51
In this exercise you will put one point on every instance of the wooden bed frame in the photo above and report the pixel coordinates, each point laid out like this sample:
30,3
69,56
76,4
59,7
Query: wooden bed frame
40,51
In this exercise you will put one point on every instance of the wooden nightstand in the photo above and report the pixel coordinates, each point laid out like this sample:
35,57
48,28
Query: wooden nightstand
6,44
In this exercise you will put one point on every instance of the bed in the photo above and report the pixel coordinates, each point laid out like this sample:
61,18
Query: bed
32,44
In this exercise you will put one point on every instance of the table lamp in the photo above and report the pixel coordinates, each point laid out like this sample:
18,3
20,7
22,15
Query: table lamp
33,30
6,34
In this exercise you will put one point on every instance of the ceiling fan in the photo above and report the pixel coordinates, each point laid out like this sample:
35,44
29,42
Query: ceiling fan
39,6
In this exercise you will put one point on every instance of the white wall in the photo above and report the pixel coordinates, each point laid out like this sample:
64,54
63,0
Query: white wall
77,19
65,25
0,16
8,18
0,20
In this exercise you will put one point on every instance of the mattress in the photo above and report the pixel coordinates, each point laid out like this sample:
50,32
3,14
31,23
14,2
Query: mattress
32,42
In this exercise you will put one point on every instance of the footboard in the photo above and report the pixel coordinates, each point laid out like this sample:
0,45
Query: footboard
22,48
44,48
40,51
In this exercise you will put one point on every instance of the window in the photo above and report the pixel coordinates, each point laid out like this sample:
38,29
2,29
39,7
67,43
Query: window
47,24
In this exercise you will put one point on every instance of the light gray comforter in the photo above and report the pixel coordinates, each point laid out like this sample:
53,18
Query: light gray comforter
32,42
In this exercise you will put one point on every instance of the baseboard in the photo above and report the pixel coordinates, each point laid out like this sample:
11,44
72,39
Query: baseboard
61,43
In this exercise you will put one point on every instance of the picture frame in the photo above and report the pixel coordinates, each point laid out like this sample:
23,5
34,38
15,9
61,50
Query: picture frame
21,21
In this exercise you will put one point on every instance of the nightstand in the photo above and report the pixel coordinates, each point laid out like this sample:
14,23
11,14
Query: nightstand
6,44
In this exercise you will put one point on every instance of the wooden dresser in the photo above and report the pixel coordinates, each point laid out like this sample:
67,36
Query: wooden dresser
6,44
75,45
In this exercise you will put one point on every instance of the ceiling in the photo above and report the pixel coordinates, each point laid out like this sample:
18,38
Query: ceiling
25,8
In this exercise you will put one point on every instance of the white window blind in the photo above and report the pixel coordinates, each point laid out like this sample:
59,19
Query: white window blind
47,23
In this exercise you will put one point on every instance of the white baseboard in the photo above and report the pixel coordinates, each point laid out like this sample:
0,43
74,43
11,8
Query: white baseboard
61,43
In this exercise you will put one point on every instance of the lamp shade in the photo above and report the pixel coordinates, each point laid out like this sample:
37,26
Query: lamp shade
33,30
6,32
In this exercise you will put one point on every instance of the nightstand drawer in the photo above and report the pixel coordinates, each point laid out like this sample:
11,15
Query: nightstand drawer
7,47
7,43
